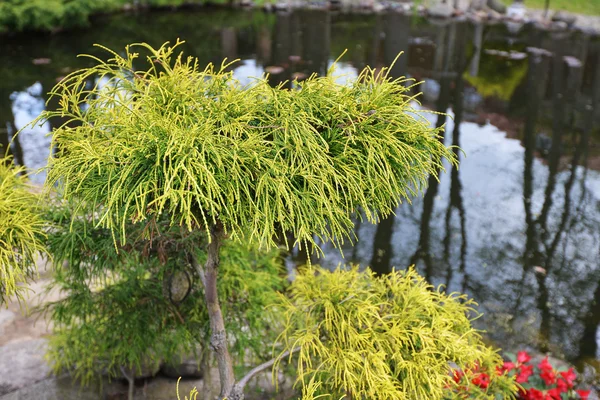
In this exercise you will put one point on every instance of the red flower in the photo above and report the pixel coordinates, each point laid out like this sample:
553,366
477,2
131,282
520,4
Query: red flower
508,366
570,377
457,375
545,365
562,385
534,394
554,394
525,371
523,357
482,380
583,394
548,376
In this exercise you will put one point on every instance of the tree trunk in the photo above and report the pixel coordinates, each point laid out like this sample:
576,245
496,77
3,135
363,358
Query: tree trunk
218,340
130,382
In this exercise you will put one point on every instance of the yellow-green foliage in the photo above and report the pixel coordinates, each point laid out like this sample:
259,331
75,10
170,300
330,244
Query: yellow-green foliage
389,337
498,77
115,309
163,136
21,231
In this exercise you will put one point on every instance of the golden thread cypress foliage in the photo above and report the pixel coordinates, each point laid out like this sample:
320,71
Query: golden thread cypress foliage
164,136
21,231
388,337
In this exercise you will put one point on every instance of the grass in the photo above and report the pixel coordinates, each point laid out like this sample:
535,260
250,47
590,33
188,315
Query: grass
587,7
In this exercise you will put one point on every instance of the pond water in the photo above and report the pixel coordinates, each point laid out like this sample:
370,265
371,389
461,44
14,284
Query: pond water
517,227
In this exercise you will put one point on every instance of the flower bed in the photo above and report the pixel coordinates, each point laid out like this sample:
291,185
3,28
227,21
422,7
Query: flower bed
541,381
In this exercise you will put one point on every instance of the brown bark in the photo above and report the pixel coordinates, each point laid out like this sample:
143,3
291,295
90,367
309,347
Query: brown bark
218,340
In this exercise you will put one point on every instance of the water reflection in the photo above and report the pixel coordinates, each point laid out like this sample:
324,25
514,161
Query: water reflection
31,147
517,226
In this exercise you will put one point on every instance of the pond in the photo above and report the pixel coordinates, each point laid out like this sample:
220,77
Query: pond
517,227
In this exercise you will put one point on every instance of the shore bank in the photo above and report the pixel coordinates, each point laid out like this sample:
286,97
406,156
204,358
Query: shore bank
55,16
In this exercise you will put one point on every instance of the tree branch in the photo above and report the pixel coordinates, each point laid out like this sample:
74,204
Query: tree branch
198,267
256,370
130,381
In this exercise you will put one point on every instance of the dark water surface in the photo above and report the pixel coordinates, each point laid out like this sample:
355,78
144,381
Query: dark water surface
517,226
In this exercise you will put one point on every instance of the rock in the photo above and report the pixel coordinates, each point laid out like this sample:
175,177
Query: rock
378,7
494,16
6,317
176,286
63,388
148,370
478,5
539,52
511,55
405,8
189,367
497,6
280,6
562,16
514,26
516,11
559,26
540,25
22,364
440,10
572,62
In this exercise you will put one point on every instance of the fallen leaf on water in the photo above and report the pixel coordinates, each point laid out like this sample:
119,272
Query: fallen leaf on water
274,69
299,75
41,61
539,270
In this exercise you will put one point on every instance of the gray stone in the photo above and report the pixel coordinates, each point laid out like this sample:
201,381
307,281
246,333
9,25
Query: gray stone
147,369
440,10
478,5
497,6
559,26
6,317
516,11
280,6
22,364
563,16
55,389
189,367
494,16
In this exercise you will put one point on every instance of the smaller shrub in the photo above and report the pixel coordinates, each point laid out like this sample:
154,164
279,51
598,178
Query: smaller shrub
542,381
389,337
133,307
21,231
475,382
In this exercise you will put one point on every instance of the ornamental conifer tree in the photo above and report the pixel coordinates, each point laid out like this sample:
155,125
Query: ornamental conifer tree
161,138
21,231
